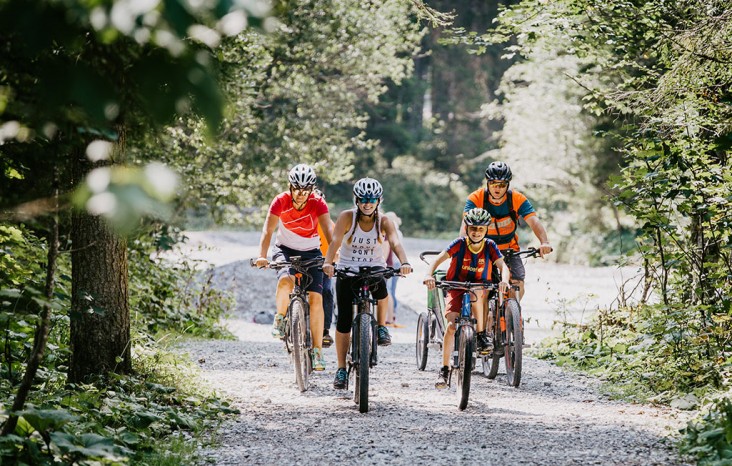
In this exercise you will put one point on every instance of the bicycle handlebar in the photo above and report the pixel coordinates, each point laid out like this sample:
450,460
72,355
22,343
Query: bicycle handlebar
451,285
531,252
368,272
295,262
428,253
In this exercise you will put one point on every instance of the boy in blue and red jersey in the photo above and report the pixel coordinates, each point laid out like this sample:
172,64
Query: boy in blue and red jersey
472,259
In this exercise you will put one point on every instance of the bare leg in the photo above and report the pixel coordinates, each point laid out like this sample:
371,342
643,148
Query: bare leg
282,296
478,308
520,284
449,340
342,340
317,318
382,306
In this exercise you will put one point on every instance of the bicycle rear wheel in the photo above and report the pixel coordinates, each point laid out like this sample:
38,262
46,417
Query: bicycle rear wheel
300,354
466,348
514,342
361,389
423,337
490,365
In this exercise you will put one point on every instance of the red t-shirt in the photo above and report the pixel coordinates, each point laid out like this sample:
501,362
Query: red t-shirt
298,229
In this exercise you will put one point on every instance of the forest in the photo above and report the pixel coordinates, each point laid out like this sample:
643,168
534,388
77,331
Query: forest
125,123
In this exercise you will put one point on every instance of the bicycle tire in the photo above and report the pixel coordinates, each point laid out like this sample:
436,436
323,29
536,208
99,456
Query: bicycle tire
466,348
514,343
300,353
423,337
491,363
364,358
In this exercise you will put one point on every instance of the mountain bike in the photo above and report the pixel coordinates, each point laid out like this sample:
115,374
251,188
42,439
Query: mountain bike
364,340
298,339
431,325
464,354
508,329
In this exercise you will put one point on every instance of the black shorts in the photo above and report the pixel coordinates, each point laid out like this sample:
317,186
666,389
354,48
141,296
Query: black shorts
316,272
346,289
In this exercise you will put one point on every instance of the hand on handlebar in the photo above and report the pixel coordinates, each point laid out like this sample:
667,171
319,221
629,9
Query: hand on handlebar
429,282
329,270
261,262
504,286
545,249
405,269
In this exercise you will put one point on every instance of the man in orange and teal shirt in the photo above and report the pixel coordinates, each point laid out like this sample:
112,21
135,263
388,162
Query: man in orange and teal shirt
505,207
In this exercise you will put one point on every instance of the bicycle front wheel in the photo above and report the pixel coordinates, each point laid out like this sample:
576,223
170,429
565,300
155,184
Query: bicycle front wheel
423,337
514,342
298,333
361,390
466,349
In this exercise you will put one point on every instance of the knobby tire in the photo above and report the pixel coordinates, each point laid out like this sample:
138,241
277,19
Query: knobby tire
514,343
466,350
364,358
300,354
423,338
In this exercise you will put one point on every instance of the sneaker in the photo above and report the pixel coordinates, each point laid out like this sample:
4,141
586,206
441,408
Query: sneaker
318,360
278,326
341,379
327,339
485,344
384,337
442,375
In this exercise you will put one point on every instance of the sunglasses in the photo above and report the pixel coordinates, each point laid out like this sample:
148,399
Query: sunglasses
498,184
302,190
368,200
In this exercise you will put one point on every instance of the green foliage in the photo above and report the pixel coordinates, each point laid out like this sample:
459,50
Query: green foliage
709,438
121,420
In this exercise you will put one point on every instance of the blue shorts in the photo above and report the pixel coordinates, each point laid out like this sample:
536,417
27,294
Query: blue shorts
283,253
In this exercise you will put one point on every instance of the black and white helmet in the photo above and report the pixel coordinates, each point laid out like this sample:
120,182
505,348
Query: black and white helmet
302,176
498,171
368,187
477,217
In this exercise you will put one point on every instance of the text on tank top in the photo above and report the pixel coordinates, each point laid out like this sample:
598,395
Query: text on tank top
364,248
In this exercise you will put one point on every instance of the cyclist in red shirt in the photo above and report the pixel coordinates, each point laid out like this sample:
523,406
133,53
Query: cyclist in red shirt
298,212
471,260
505,207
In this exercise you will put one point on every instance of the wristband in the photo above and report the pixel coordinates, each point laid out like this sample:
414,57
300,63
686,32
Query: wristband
406,263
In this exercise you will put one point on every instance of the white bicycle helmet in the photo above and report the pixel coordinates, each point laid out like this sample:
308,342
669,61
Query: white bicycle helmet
368,187
302,176
477,217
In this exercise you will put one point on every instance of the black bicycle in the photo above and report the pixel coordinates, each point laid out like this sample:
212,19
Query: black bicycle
431,325
297,338
508,329
364,339
464,354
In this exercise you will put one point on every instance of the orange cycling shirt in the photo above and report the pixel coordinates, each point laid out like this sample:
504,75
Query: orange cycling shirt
502,228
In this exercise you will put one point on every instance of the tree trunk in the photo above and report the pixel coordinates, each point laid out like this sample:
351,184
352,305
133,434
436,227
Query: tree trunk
100,315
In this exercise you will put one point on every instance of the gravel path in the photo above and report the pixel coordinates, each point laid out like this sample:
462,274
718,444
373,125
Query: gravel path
554,417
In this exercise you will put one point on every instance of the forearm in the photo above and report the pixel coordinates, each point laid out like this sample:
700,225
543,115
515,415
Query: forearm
538,229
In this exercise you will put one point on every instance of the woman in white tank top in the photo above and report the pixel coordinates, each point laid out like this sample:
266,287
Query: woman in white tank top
359,234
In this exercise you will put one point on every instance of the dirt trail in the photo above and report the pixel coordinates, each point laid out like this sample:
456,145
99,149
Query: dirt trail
554,417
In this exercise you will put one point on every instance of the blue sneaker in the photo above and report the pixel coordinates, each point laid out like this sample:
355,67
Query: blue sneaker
278,326
341,379
384,339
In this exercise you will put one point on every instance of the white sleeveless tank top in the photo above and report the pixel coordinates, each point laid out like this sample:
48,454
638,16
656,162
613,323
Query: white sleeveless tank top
364,249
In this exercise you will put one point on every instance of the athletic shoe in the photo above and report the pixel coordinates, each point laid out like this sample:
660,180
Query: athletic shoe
341,379
442,376
318,360
327,339
384,337
485,343
278,326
